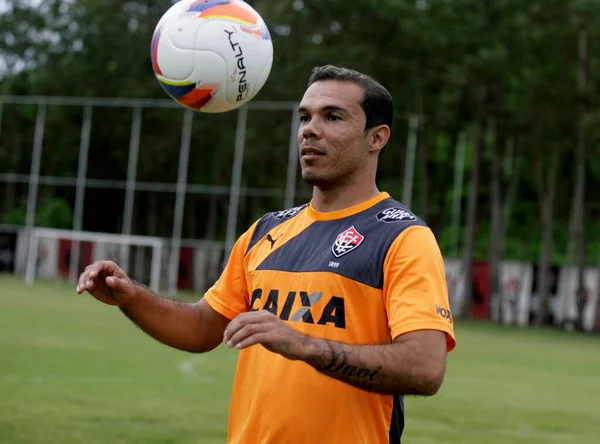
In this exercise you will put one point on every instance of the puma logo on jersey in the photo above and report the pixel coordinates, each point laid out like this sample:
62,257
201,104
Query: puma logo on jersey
334,311
271,240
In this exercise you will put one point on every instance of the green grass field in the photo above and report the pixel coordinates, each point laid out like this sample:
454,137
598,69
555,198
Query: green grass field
75,371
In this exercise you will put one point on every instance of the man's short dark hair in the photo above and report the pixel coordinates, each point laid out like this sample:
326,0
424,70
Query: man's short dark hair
377,102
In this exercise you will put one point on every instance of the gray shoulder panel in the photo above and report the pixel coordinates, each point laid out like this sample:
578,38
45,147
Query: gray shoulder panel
270,221
354,246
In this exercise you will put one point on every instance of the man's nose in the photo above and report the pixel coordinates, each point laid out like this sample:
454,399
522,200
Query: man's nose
310,129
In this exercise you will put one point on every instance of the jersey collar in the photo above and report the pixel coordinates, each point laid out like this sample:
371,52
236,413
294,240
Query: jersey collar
338,214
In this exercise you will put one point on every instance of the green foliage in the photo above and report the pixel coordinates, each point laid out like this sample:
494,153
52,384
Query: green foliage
435,56
55,213
16,216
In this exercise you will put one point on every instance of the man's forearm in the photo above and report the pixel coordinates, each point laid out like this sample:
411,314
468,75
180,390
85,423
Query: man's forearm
173,323
390,368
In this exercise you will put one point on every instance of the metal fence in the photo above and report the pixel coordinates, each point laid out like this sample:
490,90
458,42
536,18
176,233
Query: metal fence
181,187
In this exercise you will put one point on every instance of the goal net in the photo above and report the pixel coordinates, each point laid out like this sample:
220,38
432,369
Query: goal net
46,252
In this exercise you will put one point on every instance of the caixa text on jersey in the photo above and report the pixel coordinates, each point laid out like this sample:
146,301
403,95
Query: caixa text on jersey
282,306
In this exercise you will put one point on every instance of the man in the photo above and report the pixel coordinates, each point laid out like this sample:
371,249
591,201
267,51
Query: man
339,307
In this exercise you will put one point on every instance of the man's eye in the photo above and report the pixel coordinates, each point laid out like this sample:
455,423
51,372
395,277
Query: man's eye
303,118
333,117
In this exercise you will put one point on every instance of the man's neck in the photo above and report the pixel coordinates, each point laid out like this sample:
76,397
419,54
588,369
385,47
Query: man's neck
335,199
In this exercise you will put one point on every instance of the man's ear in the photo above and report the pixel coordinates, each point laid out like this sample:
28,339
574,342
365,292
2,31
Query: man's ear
378,137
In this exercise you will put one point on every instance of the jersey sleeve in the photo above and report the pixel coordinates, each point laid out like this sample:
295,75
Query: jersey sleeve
415,289
229,295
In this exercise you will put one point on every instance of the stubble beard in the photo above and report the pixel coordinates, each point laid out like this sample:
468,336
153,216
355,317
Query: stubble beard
316,180
325,181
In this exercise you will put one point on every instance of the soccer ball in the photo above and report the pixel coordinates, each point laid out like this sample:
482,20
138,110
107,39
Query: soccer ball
211,55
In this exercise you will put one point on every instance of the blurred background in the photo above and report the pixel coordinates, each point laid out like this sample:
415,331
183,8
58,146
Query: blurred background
495,145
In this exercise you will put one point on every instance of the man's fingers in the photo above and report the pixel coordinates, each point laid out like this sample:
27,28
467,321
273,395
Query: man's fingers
257,338
85,283
110,268
117,284
81,284
253,317
246,331
89,278
234,326
98,267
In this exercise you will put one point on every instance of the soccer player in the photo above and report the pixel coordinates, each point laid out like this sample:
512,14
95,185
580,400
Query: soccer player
339,307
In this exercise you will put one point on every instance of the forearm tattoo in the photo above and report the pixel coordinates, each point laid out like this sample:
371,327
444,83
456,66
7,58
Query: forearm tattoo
339,361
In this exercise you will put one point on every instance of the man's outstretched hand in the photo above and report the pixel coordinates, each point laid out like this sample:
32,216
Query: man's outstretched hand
107,282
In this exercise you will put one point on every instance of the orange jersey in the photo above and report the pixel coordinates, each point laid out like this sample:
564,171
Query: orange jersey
363,275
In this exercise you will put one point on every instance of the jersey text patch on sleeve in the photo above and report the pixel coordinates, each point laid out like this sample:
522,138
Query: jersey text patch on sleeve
395,214
290,212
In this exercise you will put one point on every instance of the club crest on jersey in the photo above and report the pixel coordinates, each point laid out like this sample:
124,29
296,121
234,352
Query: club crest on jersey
347,241
290,212
395,214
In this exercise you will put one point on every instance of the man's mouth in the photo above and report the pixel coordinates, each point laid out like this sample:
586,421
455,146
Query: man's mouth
310,153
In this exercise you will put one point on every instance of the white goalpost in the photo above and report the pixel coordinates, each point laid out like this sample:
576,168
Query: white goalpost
123,241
